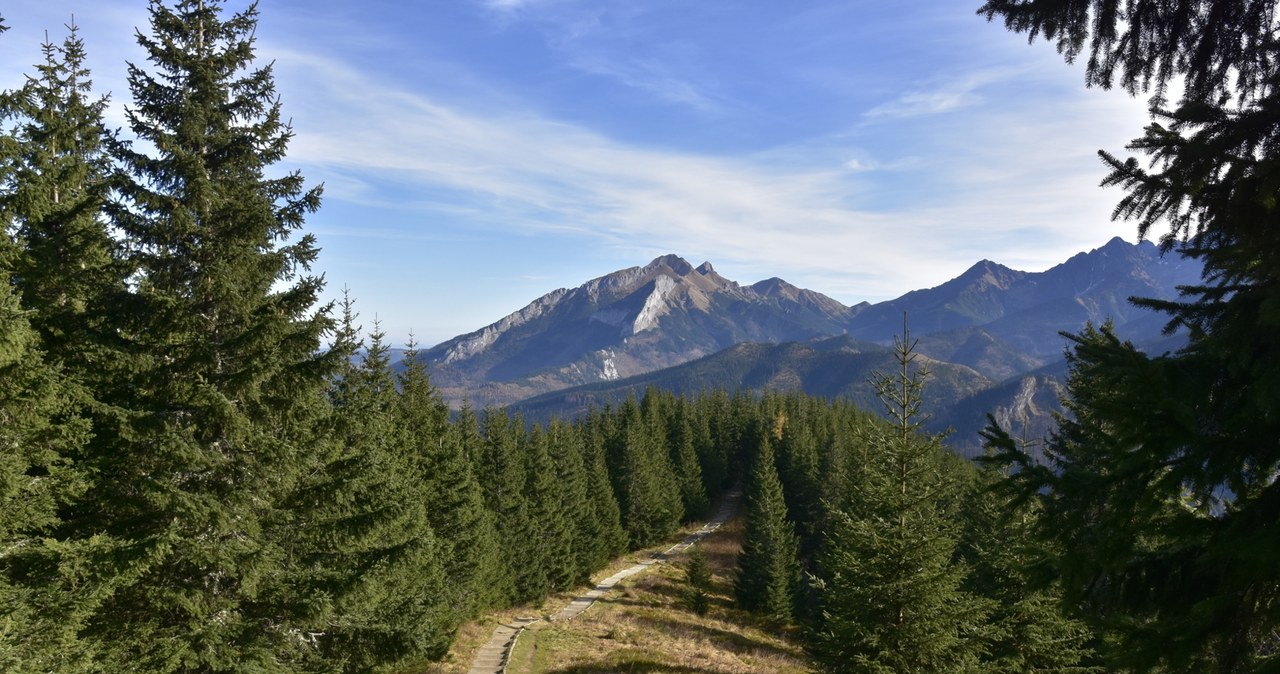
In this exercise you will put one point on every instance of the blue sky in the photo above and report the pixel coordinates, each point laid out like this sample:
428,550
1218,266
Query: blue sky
477,154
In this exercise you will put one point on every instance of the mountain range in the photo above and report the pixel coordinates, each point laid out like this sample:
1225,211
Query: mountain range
991,337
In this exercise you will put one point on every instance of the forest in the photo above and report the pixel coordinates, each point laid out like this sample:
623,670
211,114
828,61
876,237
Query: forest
205,469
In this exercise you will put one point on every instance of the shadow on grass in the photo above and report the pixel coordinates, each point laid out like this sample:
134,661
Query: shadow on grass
627,663
724,639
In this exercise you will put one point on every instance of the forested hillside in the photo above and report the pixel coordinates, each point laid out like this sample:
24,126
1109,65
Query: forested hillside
203,468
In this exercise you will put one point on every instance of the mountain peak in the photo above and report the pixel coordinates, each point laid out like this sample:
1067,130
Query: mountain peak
705,268
673,262
989,273
775,286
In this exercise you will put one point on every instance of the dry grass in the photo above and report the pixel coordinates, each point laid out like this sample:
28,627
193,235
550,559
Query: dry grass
472,635
644,626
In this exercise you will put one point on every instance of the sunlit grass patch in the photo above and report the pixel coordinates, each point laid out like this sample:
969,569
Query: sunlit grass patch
645,626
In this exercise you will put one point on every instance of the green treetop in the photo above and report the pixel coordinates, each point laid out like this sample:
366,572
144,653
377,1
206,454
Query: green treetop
227,374
768,571
892,596
1163,484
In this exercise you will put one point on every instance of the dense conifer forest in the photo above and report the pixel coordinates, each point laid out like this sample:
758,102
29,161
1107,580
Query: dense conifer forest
205,469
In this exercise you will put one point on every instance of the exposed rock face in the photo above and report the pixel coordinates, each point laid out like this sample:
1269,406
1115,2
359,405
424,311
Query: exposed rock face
469,345
632,321
997,322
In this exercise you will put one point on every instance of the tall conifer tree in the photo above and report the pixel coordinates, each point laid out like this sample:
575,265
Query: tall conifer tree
502,477
566,449
684,459
362,530
194,484
1030,628
57,187
892,596
472,445
40,608
768,569
51,177
606,538
640,467
454,500
547,550
1164,483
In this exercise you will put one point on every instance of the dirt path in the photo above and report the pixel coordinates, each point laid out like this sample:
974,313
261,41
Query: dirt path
492,657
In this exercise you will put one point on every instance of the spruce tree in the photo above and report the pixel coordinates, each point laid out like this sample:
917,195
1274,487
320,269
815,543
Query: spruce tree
454,500
605,537
768,569
1030,628
368,547
546,560
1163,479
565,446
59,175
797,452
697,575
716,417
226,376
892,595
466,435
647,490
684,460
501,472
40,606
43,594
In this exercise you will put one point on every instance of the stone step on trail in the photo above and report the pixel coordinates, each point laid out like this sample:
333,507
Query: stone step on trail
492,656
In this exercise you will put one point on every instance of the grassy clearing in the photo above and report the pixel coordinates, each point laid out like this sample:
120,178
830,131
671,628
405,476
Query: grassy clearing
471,636
645,626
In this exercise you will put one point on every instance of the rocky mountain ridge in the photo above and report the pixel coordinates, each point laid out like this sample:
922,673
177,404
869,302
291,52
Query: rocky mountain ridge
999,322
629,322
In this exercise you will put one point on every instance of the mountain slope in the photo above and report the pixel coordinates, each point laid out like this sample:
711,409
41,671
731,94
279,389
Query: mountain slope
831,367
1027,311
997,322
633,321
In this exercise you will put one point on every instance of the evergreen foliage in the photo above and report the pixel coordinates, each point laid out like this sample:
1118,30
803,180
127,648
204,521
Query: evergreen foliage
892,595
697,573
502,476
798,470
1029,629
472,446
605,537
39,611
192,481
684,459
646,487
547,559
188,482
454,501
1165,478
58,273
369,550
570,485
719,431
768,570
56,188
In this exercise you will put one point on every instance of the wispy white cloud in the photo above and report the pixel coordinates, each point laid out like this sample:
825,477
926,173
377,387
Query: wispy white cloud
498,121
943,97
821,221
508,5
612,41
653,78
